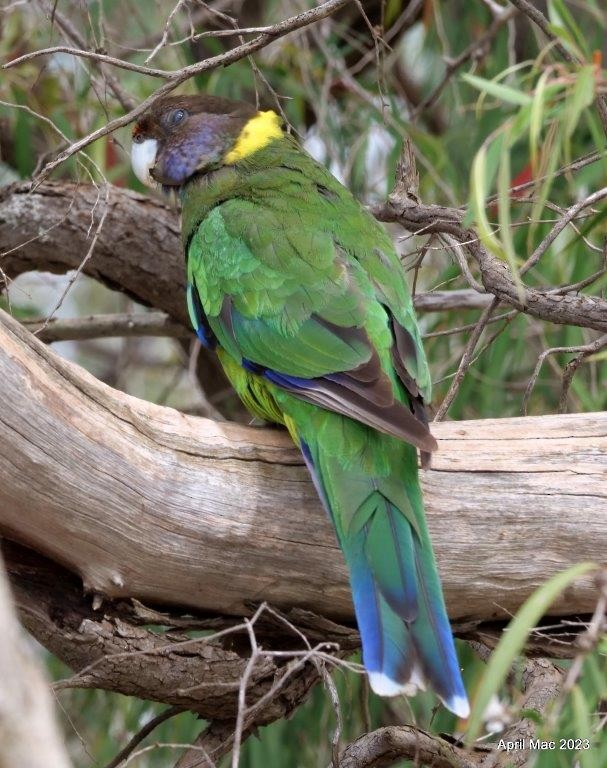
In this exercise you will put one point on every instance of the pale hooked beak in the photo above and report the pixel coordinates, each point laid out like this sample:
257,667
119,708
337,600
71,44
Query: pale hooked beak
143,159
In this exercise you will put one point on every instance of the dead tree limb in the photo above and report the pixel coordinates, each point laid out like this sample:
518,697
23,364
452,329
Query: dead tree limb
143,501
106,648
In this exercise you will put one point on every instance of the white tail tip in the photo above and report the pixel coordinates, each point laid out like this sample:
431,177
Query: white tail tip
459,706
382,685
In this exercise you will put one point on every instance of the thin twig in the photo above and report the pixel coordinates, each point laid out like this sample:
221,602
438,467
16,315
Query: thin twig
560,225
78,271
180,76
142,733
71,33
165,33
587,642
107,326
465,361
472,50
573,365
102,58
582,351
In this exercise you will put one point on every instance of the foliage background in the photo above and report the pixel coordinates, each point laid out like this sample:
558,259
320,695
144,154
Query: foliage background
511,112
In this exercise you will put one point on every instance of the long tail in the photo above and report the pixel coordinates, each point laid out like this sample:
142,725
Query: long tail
380,524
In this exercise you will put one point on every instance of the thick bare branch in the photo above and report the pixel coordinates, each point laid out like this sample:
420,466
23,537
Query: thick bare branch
138,251
106,648
104,482
541,683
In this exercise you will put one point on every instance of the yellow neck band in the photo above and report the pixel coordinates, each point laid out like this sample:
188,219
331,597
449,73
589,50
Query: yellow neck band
257,133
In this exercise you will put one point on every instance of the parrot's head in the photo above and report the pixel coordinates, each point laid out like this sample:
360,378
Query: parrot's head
180,136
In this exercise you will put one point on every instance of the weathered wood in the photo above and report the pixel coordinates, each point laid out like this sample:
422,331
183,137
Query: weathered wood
111,647
29,734
144,501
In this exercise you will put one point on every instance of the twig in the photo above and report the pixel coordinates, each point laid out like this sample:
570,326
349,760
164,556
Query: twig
583,351
178,77
575,165
165,34
334,696
560,225
142,733
102,58
242,689
69,30
587,642
470,326
583,311
404,21
454,64
327,680
107,326
208,763
87,256
465,361
574,364
457,249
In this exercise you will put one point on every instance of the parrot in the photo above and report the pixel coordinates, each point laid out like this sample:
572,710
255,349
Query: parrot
301,294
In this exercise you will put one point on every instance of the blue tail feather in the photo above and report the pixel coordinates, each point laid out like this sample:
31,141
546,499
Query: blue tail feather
389,551
386,643
401,615
433,637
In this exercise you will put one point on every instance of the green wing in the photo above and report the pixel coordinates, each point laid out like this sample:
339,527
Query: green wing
294,295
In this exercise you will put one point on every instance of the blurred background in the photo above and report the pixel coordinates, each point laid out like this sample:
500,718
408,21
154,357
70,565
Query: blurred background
487,105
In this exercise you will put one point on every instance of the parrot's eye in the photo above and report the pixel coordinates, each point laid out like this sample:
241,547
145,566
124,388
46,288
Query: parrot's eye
138,138
176,117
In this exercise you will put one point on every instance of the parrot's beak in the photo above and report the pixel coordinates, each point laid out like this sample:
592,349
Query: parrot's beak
143,159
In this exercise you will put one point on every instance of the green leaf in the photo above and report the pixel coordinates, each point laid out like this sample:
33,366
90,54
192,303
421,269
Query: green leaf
535,122
500,91
478,198
582,97
581,716
513,641
503,216
561,16
533,715
595,675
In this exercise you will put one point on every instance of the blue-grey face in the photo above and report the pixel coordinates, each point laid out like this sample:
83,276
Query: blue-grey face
182,135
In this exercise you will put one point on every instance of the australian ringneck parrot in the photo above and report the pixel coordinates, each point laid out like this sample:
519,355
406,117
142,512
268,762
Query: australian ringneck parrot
301,294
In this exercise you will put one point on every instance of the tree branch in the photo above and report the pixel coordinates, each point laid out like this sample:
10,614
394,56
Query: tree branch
139,250
177,77
541,683
103,483
386,746
107,326
583,311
